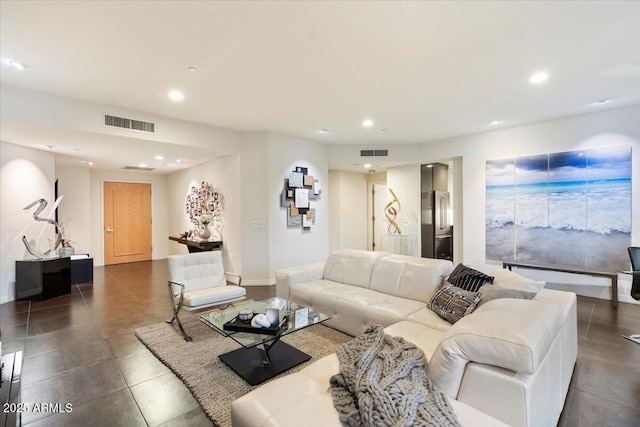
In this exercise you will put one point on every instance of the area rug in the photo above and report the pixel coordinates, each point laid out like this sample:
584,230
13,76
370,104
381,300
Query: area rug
211,382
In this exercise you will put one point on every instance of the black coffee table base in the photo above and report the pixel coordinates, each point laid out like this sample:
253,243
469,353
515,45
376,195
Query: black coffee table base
255,365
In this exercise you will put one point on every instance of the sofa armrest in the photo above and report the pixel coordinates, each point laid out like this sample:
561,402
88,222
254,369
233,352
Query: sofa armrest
302,273
507,333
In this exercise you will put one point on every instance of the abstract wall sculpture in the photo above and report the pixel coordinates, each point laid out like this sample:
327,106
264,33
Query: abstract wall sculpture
391,212
299,190
208,200
42,204
571,208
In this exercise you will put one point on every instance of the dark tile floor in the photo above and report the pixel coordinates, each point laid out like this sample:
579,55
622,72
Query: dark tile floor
80,349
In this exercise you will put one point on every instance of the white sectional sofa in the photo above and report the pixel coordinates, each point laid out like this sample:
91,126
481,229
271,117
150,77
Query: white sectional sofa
508,362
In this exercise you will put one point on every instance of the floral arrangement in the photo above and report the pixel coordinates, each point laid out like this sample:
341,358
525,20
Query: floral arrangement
205,219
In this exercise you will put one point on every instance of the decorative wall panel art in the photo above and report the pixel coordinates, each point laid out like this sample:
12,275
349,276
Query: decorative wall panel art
209,201
571,208
299,190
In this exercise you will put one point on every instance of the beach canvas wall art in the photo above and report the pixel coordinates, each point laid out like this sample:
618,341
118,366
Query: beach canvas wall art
571,208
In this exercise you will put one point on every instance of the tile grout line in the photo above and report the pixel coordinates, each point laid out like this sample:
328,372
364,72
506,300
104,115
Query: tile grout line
26,330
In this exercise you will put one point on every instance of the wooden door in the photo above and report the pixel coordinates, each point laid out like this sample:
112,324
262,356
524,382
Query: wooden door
127,222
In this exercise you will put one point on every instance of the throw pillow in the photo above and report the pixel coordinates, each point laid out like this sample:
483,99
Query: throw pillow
467,278
491,292
509,279
452,303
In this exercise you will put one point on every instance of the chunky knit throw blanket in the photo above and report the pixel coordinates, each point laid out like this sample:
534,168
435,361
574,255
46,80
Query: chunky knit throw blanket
382,382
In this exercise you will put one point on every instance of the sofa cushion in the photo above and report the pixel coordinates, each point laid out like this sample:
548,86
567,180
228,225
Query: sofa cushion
352,309
491,292
427,339
508,279
198,270
452,303
303,398
210,296
510,334
409,277
351,266
467,278
427,317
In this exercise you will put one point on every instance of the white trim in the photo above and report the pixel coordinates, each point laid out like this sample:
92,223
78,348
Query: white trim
258,282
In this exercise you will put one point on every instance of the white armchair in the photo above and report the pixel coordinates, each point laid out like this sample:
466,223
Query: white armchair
198,280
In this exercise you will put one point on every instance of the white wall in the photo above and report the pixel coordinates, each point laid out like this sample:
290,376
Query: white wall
293,246
373,179
159,210
405,183
347,210
73,185
255,201
25,176
223,174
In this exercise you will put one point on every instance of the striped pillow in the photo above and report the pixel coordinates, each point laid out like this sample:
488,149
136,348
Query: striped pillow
468,279
452,303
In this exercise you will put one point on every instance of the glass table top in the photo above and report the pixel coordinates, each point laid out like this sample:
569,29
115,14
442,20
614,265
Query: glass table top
300,317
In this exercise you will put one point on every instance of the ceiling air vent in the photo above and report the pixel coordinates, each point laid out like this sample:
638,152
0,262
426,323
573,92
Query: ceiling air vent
137,168
374,153
124,123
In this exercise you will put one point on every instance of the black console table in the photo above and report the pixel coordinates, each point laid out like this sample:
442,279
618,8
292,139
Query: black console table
40,279
573,270
81,269
197,245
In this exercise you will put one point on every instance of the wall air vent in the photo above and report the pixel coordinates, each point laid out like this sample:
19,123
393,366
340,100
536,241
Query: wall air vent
374,153
137,168
124,123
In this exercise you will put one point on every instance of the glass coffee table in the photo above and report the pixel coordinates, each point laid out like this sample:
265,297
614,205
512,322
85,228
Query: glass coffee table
263,356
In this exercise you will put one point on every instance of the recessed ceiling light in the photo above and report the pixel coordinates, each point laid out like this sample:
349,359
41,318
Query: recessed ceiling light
142,165
539,77
176,95
192,69
19,65
366,165
495,122
90,163
367,123
178,160
159,157
323,130
601,101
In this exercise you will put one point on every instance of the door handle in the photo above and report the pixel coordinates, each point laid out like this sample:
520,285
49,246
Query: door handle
108,229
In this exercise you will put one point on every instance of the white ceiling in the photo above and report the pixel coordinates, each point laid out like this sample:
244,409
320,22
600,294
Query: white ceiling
423,71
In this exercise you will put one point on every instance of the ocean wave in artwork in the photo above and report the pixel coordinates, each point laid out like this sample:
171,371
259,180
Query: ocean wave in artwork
603,207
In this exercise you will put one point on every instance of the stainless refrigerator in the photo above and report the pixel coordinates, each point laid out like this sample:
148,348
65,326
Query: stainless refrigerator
437,231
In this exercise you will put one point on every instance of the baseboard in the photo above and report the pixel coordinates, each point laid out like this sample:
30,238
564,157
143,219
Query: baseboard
6,299
258,282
